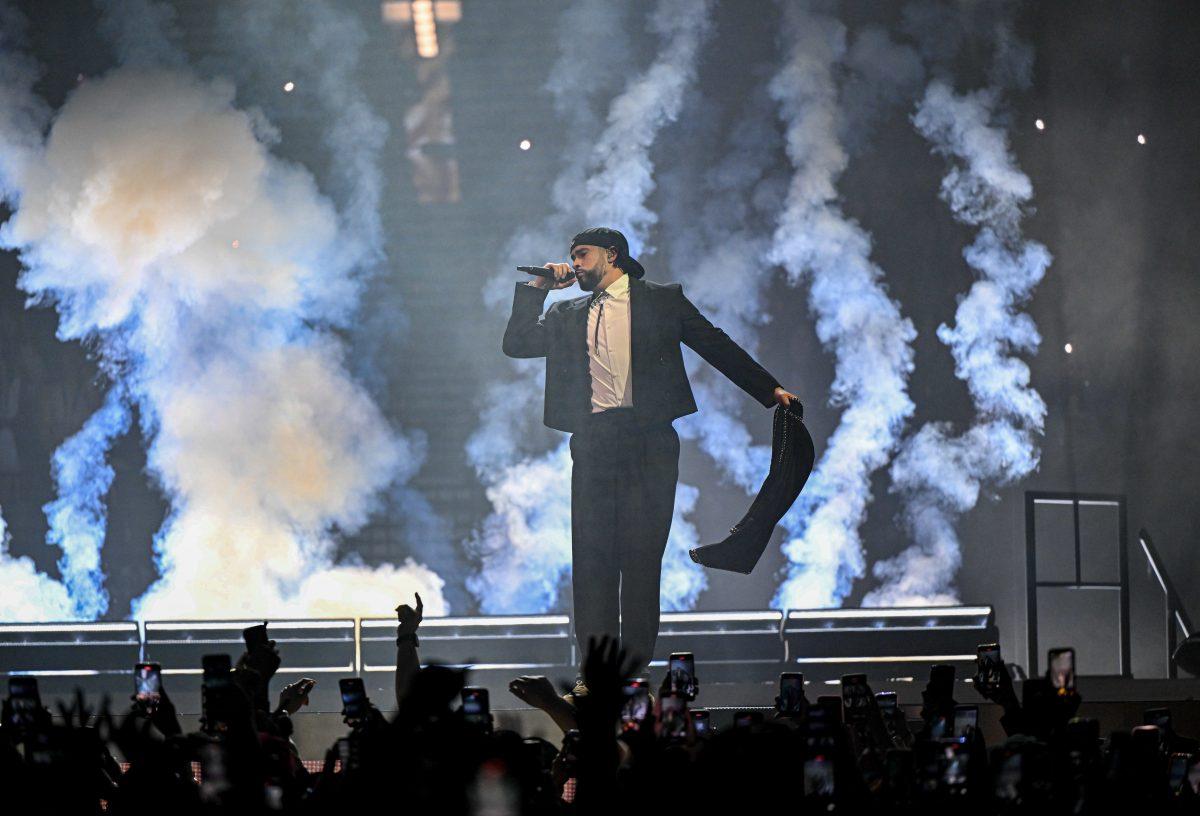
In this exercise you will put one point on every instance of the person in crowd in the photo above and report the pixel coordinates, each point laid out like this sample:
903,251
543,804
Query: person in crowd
834,754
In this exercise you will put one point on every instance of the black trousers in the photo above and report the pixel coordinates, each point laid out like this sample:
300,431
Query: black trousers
622,498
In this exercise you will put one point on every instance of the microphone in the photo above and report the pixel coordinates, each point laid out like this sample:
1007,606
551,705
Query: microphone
540,271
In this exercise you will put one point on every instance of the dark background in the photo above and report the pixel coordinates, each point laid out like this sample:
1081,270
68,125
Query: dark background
1120,219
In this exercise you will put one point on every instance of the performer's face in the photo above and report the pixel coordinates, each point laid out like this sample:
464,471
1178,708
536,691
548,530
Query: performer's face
591,264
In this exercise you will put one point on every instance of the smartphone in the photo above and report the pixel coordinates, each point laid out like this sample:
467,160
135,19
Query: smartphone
856,697
826,716
147,684
941,681
1158,716
24,699
354,698
681,669
1062,670
215,670
746,719
988,665
1008,786
791,693
636,706
966,720
673,716
215,684
819,776
255,637
476,707
1177,771
955,767
886,700
700,722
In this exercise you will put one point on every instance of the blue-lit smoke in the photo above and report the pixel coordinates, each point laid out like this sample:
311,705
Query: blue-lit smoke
79,516
856,320
940,474
209,273
718,245
524,544
29,594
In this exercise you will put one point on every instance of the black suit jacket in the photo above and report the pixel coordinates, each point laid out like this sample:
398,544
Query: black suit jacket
661,318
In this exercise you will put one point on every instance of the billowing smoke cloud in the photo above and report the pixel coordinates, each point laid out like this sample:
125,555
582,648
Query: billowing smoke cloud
941,475
856,320
29,594
524,545
158,223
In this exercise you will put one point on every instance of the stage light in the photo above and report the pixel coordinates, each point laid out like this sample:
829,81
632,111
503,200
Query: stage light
288,87
425,28
1068,348
1141,138
1039,124
525,144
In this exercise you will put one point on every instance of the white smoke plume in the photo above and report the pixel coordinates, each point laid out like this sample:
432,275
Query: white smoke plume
719,247
524,545
941,475
856,320
29,594
209,272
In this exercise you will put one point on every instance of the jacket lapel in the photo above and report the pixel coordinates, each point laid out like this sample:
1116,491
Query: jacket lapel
639,332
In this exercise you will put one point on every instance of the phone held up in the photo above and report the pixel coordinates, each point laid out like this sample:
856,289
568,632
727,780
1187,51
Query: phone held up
681,674
791,693
355,704
256,637
988,666
215,688
636,705
1062,670
476,707
147,685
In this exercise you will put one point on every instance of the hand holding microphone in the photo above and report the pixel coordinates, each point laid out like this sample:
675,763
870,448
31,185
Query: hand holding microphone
550,276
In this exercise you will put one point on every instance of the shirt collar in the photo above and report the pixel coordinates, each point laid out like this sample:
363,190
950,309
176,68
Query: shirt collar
617,289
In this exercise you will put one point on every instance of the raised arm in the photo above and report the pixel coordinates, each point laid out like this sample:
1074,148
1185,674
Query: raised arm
407,661
719,350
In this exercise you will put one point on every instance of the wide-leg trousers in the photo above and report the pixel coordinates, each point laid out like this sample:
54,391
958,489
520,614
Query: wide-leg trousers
623,481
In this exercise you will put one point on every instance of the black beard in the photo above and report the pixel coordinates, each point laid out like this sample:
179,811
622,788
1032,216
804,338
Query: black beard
587,280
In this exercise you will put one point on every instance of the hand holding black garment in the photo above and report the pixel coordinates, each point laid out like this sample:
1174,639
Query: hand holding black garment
792,456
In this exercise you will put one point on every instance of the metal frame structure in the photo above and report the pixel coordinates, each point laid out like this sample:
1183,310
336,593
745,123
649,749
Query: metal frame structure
1176,614
1032,499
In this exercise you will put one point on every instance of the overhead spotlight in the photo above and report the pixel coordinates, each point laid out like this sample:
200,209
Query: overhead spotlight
288,87
1039,124
525,144
1068,348
1141,138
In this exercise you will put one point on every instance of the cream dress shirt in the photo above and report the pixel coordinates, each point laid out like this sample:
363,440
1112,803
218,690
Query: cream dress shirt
608,331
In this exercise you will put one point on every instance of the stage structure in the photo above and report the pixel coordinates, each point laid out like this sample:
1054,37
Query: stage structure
733,649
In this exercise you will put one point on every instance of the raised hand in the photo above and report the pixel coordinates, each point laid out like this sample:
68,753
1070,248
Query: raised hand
294,696
410,618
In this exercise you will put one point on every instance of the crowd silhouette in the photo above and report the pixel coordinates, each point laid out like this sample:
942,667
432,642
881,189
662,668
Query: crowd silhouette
623,749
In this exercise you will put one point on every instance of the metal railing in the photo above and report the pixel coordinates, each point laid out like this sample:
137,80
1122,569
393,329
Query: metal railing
1176,615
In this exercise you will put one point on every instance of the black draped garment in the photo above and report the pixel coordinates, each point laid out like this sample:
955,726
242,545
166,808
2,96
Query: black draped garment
792,456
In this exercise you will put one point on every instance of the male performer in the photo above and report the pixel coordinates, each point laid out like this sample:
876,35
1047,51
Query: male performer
615,381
